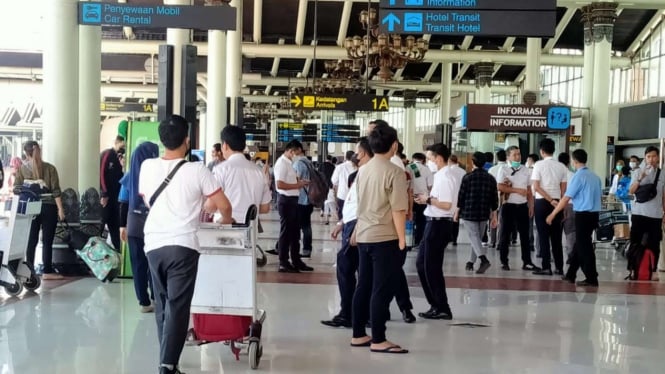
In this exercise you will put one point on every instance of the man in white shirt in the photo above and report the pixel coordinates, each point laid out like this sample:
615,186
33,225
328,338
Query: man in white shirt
339,181
347,257
171,244
441,204
514,180
242,182
288,188
421,183
549,178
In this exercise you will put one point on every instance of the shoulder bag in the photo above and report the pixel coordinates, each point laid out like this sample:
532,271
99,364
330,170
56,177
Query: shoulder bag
166,182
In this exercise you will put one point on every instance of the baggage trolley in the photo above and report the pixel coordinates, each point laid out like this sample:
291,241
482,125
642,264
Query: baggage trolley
224,305
15,273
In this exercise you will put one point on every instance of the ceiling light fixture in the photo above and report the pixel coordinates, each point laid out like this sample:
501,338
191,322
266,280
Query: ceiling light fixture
383,51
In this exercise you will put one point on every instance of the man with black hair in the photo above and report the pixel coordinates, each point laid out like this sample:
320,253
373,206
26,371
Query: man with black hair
347,257
339,182
288,187
109,176
328,168
585,192
380,234
243,183
494,233
647,216
216,156
170,230
441,204
514,180
489,161
549,179
302,166
477,203
568,221
421,183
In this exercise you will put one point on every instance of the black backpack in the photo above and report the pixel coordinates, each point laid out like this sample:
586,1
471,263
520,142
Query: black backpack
317,190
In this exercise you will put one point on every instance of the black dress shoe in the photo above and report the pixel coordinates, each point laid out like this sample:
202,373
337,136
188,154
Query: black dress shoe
483,267
165,370
408,317
303,267
288,268
505,267
558,272
543,272
567,279
469,266
530,267
439,314
272,252
427,313
338,321
587,283
306,255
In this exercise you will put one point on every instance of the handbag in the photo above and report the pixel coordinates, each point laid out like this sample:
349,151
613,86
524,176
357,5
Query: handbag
647,192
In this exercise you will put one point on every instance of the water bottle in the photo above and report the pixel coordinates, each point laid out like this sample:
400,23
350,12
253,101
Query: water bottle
409,234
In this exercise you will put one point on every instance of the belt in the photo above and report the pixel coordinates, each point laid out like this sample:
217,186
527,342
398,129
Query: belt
287,197
427,218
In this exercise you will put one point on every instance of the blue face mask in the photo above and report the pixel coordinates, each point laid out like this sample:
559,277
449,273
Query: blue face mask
515,164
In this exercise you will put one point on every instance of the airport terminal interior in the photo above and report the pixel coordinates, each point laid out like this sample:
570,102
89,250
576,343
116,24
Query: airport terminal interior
84,78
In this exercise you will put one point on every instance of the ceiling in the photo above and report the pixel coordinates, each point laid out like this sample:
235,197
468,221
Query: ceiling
279,23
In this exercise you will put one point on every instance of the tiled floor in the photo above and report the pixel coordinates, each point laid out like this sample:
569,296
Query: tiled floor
533,325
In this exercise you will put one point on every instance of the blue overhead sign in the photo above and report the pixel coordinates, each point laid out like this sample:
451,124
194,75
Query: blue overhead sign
471,4
149,16
483,22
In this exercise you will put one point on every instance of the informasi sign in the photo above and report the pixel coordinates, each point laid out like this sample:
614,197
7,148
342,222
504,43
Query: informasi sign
516,118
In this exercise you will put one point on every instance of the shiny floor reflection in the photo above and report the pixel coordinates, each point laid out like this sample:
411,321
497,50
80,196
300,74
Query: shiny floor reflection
88,327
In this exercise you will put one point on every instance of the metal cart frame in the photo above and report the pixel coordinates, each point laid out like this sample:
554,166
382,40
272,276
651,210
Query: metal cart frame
15,273
226,278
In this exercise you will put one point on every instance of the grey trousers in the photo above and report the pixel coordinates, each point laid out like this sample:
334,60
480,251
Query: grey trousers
569,229
173,270
475,230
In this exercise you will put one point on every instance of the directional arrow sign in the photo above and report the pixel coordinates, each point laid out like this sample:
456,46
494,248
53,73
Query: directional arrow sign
470,4
296,101
390,19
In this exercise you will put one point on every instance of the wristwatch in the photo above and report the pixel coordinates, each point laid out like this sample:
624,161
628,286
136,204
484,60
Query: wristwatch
429,201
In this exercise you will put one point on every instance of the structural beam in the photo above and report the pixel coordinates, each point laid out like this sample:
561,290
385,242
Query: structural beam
560,27
258,19
344,22
300,23
648,30
275,67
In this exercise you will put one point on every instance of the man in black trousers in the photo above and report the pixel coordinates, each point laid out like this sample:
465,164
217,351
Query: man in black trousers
110,173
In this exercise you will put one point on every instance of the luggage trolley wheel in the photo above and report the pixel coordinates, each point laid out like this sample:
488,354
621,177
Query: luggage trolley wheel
255,351
15,289
32,283
261,259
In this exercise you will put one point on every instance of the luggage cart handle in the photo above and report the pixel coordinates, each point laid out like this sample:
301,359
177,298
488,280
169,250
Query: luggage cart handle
252,213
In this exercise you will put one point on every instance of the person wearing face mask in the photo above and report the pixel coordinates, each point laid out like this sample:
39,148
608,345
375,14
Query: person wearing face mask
618,168
585,191
515,181
634,163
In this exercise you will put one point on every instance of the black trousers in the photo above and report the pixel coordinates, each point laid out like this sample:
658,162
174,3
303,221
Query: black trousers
340,208
549,234
514,217
652,228
111,218
289,230
305,219
455,232
584,253
173,270
46,221
347,267
402,295
419,222
430,263
378,265
140,270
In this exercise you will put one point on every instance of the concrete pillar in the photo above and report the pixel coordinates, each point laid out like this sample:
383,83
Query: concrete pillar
234,60
587,73
89,85
177,38
603,16
216,108
61,90
483,72
410,141
533,53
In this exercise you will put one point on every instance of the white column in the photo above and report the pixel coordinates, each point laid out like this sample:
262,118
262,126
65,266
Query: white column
411,144
483,95
445,97
234,60
600,108
89,85
587,90
216,108
60,61
177,38
533,53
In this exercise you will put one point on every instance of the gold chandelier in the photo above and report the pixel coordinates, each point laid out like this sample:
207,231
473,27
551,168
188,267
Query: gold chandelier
381,50
343,77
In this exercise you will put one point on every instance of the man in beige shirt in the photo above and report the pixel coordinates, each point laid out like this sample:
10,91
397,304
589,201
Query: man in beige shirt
380,234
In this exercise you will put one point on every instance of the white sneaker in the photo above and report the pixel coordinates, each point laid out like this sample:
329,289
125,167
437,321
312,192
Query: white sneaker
148,308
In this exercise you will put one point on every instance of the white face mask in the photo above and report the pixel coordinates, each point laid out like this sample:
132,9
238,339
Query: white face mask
632,164
431,165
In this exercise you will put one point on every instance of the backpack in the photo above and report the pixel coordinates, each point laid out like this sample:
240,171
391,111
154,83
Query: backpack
317,190
641,262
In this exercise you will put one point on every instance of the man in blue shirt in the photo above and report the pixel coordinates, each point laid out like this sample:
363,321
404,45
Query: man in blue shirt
584,189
